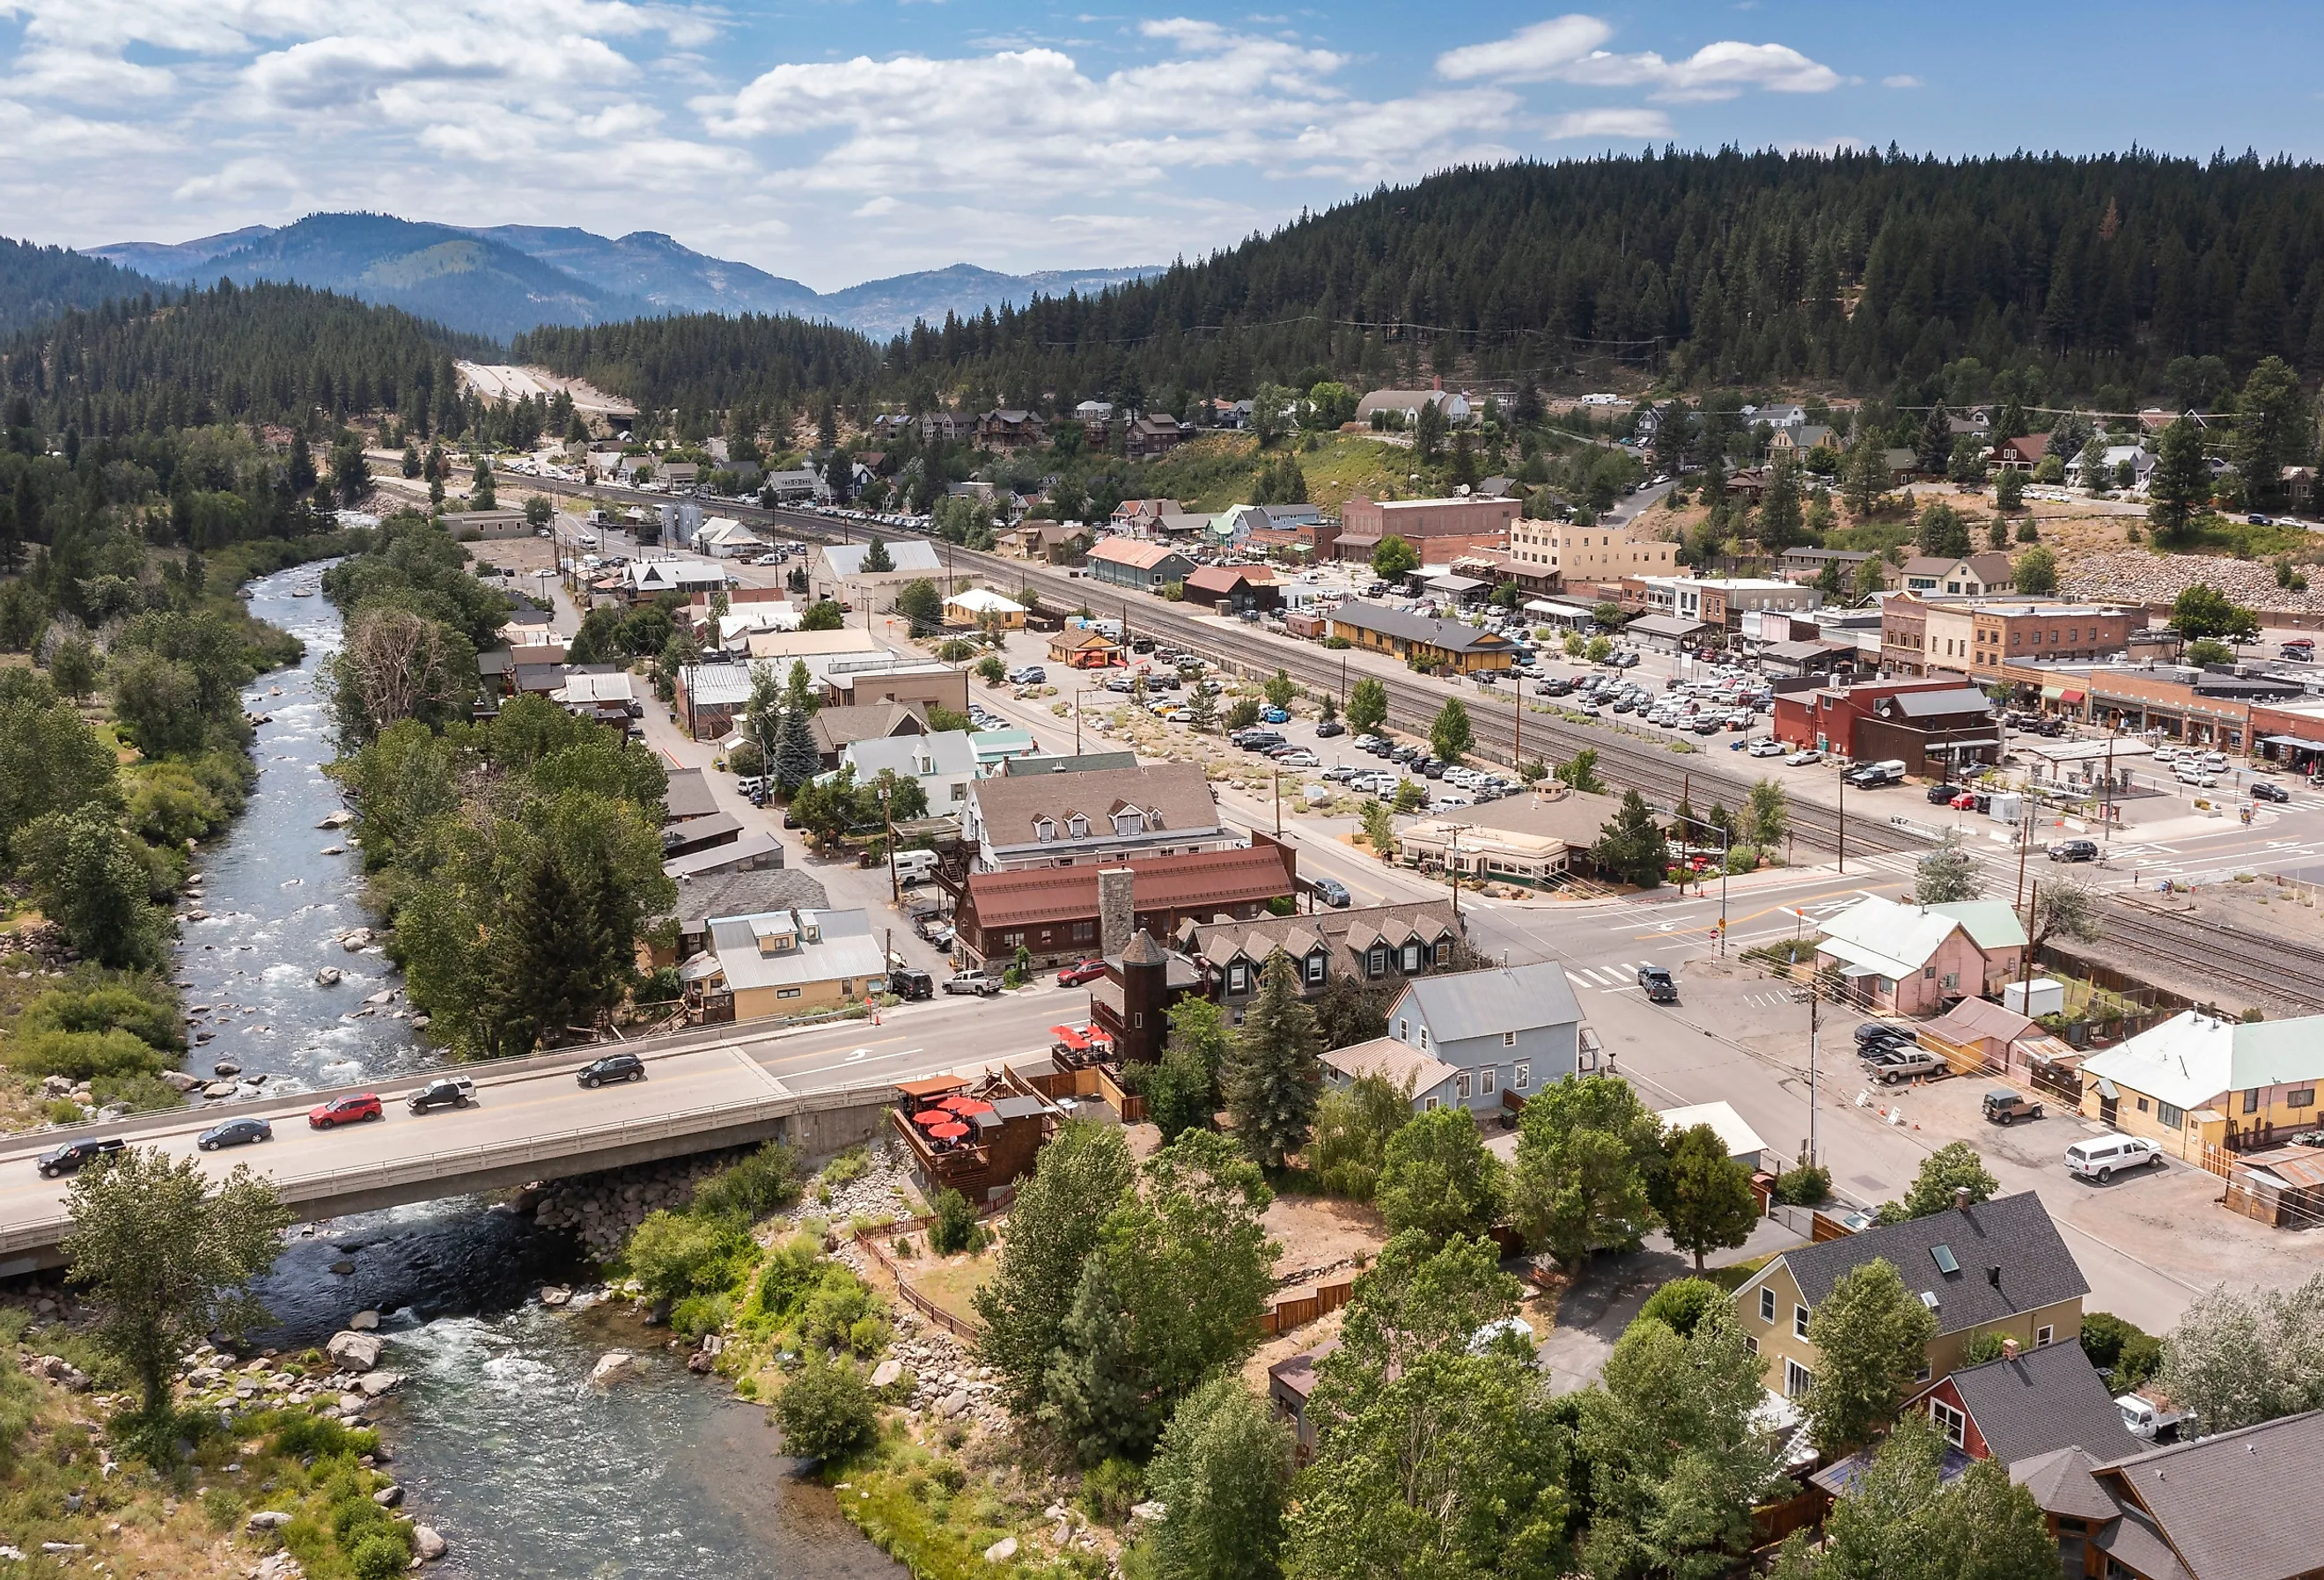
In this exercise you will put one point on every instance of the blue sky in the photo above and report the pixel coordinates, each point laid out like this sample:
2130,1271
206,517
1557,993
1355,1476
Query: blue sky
834,141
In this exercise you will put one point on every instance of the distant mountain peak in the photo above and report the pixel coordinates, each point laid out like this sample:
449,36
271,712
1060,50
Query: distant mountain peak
502,279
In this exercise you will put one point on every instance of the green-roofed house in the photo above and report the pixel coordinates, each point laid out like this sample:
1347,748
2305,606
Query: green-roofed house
2197,1079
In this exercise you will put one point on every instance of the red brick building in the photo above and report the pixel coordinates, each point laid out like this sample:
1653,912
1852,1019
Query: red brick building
1053,910
1439,530
1925,722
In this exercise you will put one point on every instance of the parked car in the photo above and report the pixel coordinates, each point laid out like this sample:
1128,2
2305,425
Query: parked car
443,1092
613,1068
911,984
74,1155
2101,1158
2074,850
1873,1032
982,984
1662,988
2261,790
353,1109
1297,757
2005,1107
1274,715
1028,675
1903,1063
1940,795
1330,727
1803,757
1332,893
235,1132
1081,971
1766,746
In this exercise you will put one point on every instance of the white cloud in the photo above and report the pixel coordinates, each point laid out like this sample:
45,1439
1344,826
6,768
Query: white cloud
1565,50
1538,53
1627,125
1902,79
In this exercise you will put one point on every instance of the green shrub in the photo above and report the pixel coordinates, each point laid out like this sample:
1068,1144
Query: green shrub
168,805
1682,1303
790,1273
2133,1355
83,1056
142,1093
846,1169
674,1255
826,1412
130,1002
760,1185
380,1556
956,1229
696,1315
1981,1347
842,1313
222,1507
1804,1187
1111,1488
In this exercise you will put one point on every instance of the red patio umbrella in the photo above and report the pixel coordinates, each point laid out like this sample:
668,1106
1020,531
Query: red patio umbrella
972,1106
952,1130
931,1116
961,1102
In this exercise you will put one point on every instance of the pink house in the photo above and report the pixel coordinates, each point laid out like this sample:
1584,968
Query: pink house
1921,959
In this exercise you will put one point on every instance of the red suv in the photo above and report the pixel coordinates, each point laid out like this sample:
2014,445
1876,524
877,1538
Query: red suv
353,1110
1086,971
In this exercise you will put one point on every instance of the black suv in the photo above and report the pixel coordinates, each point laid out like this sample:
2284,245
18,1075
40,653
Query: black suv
614,1066
2261,790
444,1092
73,1156
911,985
2074,850
1660,987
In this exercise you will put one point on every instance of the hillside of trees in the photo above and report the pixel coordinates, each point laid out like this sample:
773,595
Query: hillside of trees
2048,278
38,283
231,354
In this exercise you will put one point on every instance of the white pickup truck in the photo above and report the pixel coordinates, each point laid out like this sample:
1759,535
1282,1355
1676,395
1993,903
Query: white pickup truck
2150,1419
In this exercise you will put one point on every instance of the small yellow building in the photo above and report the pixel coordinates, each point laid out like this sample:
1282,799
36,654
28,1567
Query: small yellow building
785,963
982,608
2198,1079
1418,639
1999,1267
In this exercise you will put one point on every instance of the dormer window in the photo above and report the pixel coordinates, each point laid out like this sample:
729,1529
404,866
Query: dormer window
1376,962
1154,817
1044,830
1077,827
1132,822
1315,969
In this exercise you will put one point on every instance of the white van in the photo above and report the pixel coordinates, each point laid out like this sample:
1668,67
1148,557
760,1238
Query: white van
915,866
2102,1156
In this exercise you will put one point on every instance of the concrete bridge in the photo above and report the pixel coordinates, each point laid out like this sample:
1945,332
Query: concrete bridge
531,1120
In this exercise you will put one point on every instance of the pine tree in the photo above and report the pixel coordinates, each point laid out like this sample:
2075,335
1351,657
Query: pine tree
547,954
1203,710
2179,483
876,556
1630,848
795,758
1780,520
1934,452
1272,1071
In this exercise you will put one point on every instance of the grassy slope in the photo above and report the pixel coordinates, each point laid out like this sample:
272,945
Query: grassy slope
1218,470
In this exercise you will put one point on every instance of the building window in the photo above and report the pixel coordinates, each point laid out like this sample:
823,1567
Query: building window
1412,957
2303,1098
1509,1039
1404,1030
1950,1421
2251,1101
787,992
1444,953
1797,1380
1799,1322
1083,932
2043,1336
1751,1344
1377,961
1431,1105
1524,1075
1460,1084
1923,1374
1315,968
2171,1118
1489,1073
1423,1039
1767,1306
1236,978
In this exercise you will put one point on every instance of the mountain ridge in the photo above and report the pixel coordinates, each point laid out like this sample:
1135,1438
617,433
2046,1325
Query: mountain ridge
502,279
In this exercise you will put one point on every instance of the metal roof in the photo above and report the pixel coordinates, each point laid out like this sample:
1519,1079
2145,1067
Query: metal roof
1479,1003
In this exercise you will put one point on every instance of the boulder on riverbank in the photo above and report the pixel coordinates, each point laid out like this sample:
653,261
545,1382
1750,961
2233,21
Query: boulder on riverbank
427,1545
612,1367
354,1351
328,977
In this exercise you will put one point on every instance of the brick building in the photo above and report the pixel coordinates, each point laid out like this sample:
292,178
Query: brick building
1926,722
1562,553
1439,530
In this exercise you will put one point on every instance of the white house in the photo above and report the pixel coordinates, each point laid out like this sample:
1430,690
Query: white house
944,761
722,538
649,578
2141,462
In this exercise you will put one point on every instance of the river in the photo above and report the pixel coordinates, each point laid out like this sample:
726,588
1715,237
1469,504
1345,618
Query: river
499,1442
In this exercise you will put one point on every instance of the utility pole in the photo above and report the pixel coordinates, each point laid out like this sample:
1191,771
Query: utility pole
1278,803
2025,842
1815,1002
887,817
1453,873
1841,823
2026,967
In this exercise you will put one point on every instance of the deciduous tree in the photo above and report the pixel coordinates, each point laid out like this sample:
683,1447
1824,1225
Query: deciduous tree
1871,1335
1951,1168
1702,1194
1587,1150
1947,874
1222,1475
1452,736
1051,1230
1368,705
1437,1177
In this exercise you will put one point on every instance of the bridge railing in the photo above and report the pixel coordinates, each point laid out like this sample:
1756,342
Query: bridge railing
449,1162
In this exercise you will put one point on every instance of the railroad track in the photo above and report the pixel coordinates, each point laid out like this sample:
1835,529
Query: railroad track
2209,952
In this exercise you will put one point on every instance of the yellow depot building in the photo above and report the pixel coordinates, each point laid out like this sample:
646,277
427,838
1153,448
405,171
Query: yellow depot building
2197,1080
1997,1267
785,963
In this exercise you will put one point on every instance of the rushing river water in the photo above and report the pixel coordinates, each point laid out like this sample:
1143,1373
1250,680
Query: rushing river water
499,1438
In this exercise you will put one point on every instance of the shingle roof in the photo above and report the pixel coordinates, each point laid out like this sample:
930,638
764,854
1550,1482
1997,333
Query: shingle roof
1451,635
1350,931
834,726
1177,796
2238,1506
2043,1400
1393,1061
1219,878
2062,1483
688,795
1506,998
744,894
2013,1234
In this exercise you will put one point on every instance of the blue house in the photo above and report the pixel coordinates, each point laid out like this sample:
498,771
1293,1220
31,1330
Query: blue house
1508,1028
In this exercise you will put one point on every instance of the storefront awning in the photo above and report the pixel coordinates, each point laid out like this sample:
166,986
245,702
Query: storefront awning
2053,693
1962,745
2295,742
2070,695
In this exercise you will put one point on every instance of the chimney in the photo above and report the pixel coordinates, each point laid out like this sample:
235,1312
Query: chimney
1993,1275
1960,1197
1117,910
2009,1349
1437,382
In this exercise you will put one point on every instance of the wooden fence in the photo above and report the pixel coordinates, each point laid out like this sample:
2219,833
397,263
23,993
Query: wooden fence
867,1240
